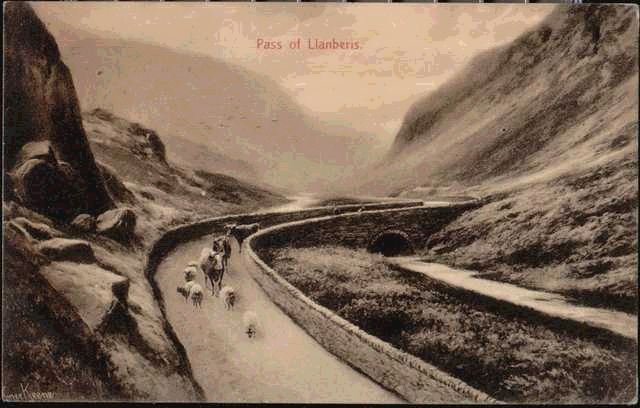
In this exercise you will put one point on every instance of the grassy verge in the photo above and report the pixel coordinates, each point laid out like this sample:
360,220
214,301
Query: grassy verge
506,355
575,235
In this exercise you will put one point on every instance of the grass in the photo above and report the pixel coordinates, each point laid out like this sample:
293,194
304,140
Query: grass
508,356
576,235
46,347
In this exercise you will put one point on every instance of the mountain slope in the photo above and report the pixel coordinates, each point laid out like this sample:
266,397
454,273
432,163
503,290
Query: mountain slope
546,100
233,111
545,129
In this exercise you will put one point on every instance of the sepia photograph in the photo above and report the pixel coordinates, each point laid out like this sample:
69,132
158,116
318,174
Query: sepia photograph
320,202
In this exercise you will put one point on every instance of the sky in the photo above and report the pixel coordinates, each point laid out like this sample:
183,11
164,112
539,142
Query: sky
405,50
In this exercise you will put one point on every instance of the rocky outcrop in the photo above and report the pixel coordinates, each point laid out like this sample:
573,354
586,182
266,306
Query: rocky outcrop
62,249
116,188
36,229
86,286
41,105
118,224
84,223
44,184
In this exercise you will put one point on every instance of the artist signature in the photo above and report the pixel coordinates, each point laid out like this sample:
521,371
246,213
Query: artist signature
26,394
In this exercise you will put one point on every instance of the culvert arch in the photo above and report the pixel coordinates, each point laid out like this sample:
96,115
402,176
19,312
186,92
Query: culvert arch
391,243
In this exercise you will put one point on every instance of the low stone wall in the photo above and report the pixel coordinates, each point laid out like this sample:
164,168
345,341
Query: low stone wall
356,230
409,376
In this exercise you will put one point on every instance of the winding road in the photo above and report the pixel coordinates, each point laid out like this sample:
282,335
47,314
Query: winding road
283,364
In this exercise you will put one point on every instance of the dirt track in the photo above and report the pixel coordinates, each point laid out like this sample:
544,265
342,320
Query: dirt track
283,364
548,303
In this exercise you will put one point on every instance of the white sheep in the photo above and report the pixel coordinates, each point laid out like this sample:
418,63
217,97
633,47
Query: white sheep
196,294
228,296
190,271
250,321
184,289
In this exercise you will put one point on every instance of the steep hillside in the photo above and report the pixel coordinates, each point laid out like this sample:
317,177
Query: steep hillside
231,110
198,156
80,318
545,129
136,155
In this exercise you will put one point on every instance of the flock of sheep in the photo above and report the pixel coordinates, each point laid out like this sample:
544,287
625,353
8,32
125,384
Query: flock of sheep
213,263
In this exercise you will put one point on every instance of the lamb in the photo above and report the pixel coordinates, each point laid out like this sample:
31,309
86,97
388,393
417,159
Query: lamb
184,289
250,322
190,271
240,232
228,296
196,295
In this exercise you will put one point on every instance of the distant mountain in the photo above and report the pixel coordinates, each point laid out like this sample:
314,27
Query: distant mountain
232,111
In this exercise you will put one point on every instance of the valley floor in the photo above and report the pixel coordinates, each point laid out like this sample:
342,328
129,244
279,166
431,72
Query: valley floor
513,356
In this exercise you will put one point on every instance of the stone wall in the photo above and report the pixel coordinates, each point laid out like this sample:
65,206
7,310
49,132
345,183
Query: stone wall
407,375
356,230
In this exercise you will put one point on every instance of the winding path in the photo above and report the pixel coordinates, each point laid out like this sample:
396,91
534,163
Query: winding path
283,364
551,304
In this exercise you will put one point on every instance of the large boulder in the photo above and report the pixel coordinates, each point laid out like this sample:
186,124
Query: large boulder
89,288
41,186
37,230
84,223
62,249
118,224
21,241
36,150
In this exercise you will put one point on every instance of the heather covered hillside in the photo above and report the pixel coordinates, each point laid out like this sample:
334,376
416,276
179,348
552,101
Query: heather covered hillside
135,158
545,129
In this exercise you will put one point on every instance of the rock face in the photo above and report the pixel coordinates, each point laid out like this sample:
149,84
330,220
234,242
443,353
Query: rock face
116,188
118,224
41,105
88,287
37,230
84,223
62,249
44,184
